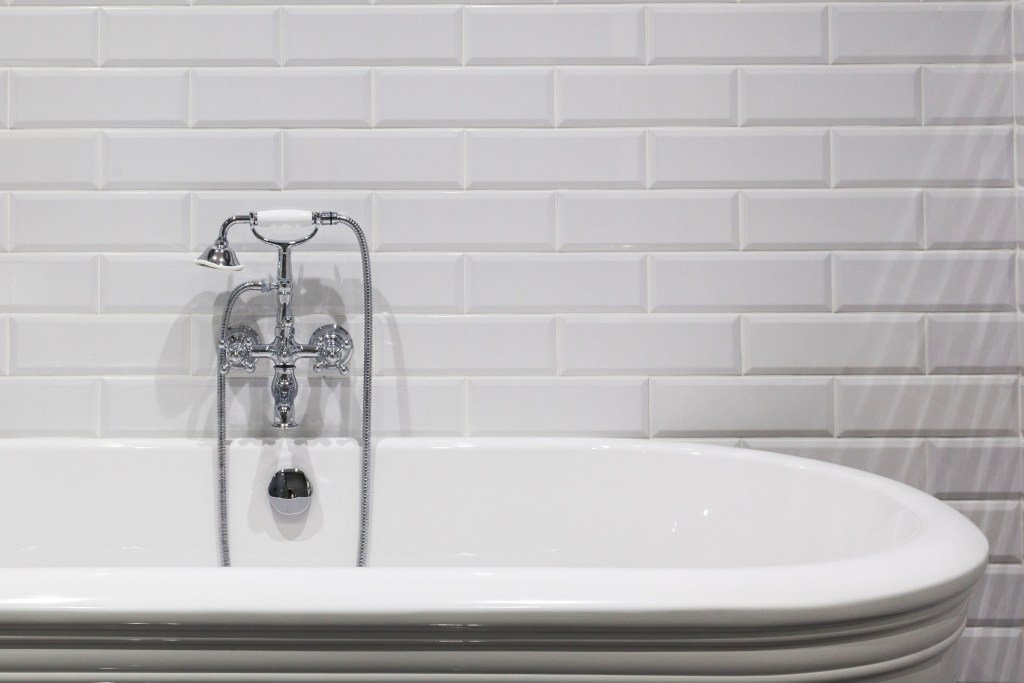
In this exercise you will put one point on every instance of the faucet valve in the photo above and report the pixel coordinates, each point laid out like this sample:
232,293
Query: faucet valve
237,347
333,348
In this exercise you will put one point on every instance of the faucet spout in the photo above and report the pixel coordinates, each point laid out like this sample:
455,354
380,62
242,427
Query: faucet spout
283,389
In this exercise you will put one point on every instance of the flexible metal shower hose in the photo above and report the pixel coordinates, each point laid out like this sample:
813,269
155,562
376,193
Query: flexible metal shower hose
222,444
364,484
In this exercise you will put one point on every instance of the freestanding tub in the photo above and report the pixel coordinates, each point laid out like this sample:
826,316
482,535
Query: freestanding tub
490,560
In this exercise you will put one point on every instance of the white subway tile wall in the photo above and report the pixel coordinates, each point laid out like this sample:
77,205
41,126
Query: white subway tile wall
790,225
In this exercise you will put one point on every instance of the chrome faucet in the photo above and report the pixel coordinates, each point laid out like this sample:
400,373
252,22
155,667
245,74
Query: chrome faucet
330,346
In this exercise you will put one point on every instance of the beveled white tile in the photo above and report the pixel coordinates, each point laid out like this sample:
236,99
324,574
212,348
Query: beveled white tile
937,281
373,159
1018,103
741,406
190,36
414,283
649,345
71,406
211,209
415,407
562,406
93,2
990,654
186,407
103,345
4,345
325,283
555,35
920,32
465,345
738,34
27,160
968,157
997,598
927,406
428,97
50,37
627,96
372,35
968,94
325,407
89,98
833,344
606,159
5,223
402,283
1018,22
4,98
831,95
50,283
172,283
980,343
95,221
1020,162
740,282
832,219
974,468
191,160
571,283
899,459
937,157
642,221
465,221
1001,523
280,98
738,158
164,406
970,219
332,283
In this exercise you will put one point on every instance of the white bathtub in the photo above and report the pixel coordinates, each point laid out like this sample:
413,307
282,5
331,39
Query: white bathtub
491,560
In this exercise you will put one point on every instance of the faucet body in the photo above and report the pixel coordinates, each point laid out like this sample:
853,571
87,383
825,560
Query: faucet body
330,346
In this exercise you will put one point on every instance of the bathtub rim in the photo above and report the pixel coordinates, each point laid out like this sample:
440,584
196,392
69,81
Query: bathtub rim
948,562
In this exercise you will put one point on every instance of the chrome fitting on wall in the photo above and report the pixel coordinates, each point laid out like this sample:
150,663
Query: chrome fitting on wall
330,346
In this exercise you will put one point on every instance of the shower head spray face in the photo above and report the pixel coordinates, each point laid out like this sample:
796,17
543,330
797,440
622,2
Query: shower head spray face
221,256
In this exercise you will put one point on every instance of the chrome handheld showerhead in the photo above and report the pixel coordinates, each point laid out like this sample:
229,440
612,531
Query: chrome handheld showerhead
220,255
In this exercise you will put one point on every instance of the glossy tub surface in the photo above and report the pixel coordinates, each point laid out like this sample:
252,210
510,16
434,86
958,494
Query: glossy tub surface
491,560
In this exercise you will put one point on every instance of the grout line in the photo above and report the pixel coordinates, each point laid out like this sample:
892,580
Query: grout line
99,392
833,280
926,319
1014,8
924,218
374,94
920,86
650,408
280,36
99,36
465,406
835,406
464,159
829,56
463,30
556,78
280,160
741,219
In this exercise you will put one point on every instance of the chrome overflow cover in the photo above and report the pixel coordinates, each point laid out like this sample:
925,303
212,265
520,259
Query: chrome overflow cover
290,492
